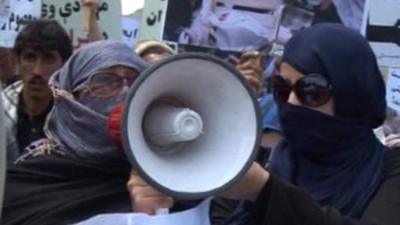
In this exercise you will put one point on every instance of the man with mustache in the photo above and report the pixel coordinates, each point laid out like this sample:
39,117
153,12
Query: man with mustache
40,49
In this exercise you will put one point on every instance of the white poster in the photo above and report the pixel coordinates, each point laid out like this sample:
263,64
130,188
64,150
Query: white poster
195,216
68,13
153,19
240,25
130,30
13,15
393,89
5,11
383,31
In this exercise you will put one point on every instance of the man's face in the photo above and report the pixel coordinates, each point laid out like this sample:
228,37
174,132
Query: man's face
35,69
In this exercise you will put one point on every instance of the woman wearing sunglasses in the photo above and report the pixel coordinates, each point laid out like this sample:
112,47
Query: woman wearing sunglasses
330,169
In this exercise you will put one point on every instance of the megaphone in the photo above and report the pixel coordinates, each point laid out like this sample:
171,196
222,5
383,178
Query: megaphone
191,126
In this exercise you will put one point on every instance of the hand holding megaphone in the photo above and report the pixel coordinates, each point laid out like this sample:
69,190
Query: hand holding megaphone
145,198
189,132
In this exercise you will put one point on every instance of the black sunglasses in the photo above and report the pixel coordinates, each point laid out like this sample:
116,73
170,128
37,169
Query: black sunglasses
311,90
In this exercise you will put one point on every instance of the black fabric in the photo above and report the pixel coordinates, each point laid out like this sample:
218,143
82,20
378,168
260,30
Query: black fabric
288,205
338,161
280,203
10,80
30,129
226,212
52,189
327,15
384,208
55,190
235,212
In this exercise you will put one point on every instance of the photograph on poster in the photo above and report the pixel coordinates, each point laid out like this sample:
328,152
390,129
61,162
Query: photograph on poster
241,25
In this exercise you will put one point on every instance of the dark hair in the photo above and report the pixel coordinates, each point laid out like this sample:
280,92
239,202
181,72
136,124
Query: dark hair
179,15
44,35
155,50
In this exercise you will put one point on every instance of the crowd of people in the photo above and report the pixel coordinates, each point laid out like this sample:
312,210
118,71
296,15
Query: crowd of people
319,160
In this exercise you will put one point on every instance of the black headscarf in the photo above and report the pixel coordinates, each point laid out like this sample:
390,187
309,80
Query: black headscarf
337,159
347,60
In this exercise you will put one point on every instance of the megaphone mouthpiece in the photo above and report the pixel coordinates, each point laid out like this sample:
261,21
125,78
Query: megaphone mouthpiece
167,125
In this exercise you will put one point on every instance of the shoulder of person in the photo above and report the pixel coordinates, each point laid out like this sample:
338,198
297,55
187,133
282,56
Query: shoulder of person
10,93
10,97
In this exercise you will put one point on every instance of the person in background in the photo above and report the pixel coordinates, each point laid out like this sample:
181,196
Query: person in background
152,51
40,49
251,66
77,171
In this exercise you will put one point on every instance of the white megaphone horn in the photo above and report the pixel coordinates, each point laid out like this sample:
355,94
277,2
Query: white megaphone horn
191,126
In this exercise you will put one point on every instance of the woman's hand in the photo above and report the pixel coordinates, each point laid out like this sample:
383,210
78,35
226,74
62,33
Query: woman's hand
146,199
251,66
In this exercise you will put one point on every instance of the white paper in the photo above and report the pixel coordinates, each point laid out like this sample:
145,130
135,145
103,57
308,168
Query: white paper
385,13
153,19
130,30
68,14
13,16
5,10
195,216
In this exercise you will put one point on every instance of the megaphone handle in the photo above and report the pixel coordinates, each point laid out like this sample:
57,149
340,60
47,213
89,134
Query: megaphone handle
162,211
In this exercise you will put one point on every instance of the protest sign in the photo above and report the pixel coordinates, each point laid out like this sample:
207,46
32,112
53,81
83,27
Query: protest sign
393,89
239,25
68,13
13,15
130,30
153,19
5,11
383,31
